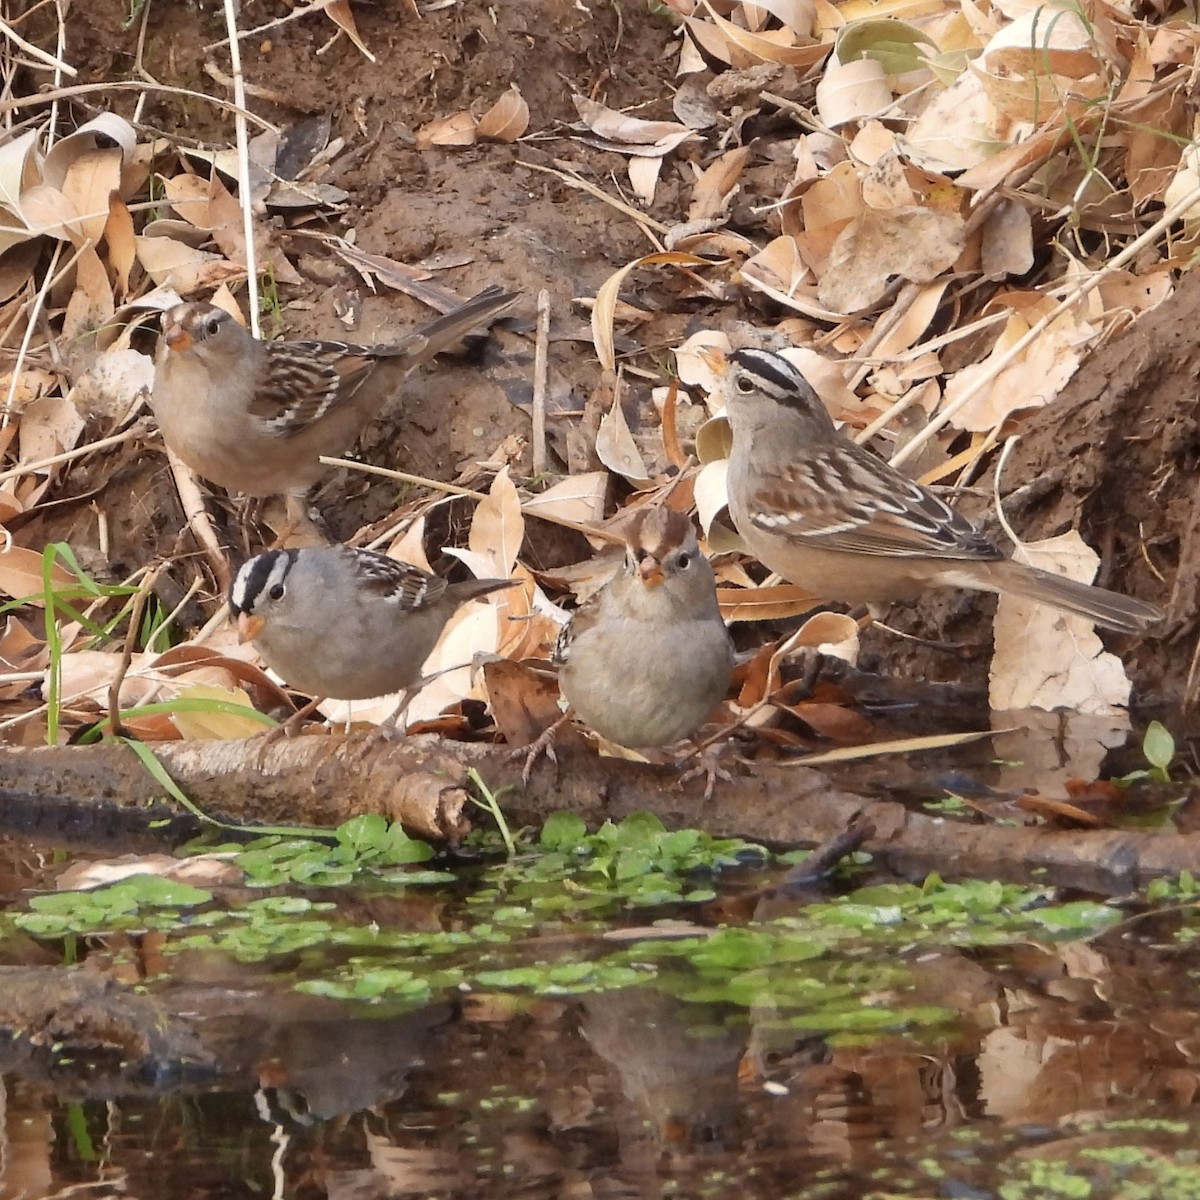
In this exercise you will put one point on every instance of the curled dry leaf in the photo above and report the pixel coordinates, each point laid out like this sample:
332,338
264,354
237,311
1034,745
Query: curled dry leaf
630,135
778,602
606,300
507,119
458,129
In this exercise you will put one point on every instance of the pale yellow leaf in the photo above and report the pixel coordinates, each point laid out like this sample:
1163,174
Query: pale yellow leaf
852,91
498,528
1048,659
578,498
916,244
208,726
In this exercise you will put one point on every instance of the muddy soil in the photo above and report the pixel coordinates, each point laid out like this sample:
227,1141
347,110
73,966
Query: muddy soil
1115,456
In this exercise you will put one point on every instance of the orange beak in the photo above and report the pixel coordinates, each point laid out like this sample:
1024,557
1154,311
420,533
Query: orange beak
651,572
177,338
717,361
249,626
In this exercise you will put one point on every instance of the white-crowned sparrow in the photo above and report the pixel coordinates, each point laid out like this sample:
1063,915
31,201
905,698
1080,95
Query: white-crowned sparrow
345,624
255,416
829,515
647,659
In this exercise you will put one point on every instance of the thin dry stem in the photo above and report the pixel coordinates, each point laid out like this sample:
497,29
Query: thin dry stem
43,56
541,374
243,155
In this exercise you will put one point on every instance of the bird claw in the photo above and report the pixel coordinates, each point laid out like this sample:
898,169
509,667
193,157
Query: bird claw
541,745
709,766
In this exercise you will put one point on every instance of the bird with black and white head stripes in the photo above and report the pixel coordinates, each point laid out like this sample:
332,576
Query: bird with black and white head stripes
831,516
339,623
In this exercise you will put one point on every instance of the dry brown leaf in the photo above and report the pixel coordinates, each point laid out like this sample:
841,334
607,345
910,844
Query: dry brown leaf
615,446
1048,659
507,119
606,300
1006,247
21,574
912,243
1031,380
50,425
498,528
458,129
717,186
783,46
175,265
338,11
578,498
629,134
776,603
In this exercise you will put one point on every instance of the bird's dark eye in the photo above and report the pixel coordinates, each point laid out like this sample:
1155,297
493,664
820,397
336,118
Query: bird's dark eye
212,326
684,560
276,592
744,385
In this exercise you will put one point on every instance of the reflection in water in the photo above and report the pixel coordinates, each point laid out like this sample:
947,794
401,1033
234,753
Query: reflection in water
633,1093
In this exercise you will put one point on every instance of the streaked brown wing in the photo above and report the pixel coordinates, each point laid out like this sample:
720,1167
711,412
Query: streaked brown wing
302,381
850,500
390,579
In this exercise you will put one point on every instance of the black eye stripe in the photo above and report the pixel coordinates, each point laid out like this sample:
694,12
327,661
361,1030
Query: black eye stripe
253,579
771,368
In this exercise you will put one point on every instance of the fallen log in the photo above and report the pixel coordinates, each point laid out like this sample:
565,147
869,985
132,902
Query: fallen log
422,782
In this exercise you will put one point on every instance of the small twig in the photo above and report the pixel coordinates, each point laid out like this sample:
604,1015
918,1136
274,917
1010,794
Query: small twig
296,13
126,85
541,375
577,181
43,56
27,337
131,635
243,156
199,522
79,452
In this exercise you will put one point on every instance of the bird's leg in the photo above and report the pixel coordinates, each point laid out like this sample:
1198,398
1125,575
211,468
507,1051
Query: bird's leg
707,755
286,729
542,744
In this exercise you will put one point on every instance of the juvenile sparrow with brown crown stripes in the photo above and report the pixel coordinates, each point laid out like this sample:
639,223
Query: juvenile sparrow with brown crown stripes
339,623
255,416
829,515
648,658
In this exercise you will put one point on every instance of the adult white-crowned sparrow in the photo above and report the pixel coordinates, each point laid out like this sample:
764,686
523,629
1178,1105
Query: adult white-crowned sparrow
648,658
345,624
255,416
829,515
